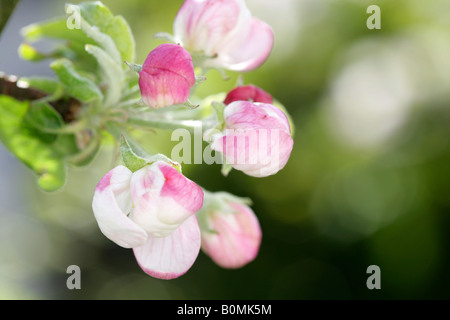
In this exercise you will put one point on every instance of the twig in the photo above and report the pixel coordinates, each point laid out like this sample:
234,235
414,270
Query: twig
67,107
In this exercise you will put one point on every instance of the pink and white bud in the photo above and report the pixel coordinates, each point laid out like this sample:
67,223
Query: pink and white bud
166,76
231,237
152,211
248,93
257,139
225,31
163,198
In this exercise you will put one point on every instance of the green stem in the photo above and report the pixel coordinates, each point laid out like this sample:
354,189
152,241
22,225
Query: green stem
129,103
189,125
86,152
131,93
114,130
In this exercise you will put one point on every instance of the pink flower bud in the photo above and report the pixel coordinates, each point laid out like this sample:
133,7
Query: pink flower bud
248,93
231,237
225,31
152,211
166,76
257,139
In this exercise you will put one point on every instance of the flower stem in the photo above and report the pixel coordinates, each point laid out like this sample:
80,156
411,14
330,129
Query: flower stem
117,132
135,102
86,152
68,129
166,124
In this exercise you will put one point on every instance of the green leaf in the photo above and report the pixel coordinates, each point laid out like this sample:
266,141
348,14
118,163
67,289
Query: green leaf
28,52
77,86
131,160
74,51
55,28
41,116
46,85
33,152
97,14
104,40
66,145
73,48
6,9
113,72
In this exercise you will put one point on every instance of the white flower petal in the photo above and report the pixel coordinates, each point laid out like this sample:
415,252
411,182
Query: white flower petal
255,45
111,204
163,198
171,256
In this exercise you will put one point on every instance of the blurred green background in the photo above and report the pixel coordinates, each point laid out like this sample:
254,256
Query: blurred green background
367,183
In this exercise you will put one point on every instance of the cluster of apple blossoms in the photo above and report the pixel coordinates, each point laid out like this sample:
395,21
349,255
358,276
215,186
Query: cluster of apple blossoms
147,204
101,94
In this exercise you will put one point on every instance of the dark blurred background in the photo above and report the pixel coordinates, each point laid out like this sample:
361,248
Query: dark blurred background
367,184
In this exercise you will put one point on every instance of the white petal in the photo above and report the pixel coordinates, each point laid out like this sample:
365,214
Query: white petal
111,204
163,198
203,26
172,256
253,49
145,186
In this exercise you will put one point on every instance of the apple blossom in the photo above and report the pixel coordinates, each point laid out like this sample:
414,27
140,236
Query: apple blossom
231,234
256,140
225,32
152,211
248,93
167,76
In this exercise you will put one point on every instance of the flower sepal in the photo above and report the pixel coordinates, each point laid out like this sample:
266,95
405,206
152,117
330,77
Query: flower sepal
220,201
218,108
167,37
280,106
136,68
135,162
